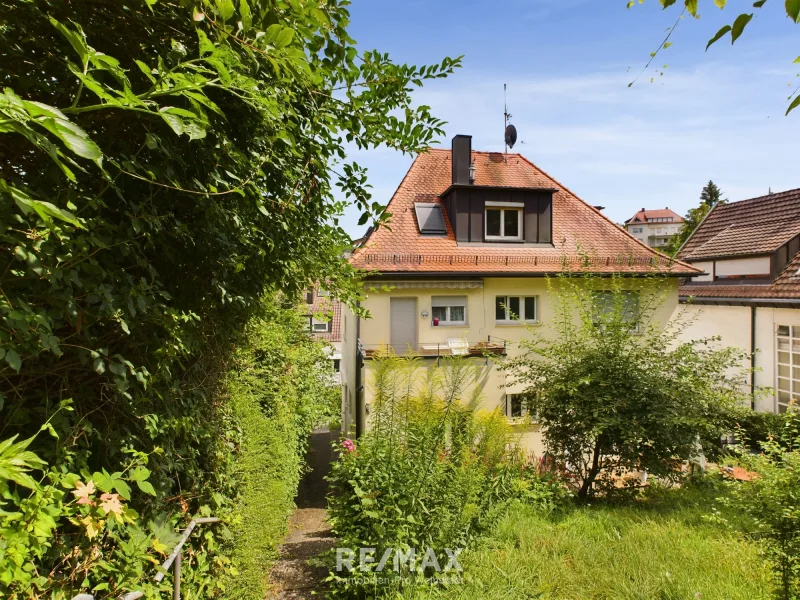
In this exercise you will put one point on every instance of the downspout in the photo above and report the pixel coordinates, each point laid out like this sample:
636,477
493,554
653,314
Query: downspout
752,358
361,412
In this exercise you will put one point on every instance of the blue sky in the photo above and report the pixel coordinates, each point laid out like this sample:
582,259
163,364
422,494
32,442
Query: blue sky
715,115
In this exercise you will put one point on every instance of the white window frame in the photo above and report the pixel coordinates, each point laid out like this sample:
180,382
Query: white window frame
522,317
507,409
317,323
503,207
448,303
787,366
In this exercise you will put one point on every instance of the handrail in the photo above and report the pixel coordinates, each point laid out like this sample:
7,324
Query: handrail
173,560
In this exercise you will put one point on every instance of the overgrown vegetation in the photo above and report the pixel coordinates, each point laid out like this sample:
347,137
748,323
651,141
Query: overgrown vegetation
162,164
658,544
770,502
278,392
430,473
616,392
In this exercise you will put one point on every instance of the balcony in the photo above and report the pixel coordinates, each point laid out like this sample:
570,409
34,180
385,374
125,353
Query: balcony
492,346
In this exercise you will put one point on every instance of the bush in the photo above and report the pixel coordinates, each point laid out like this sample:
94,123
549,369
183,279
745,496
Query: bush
615,391
771,503
431,472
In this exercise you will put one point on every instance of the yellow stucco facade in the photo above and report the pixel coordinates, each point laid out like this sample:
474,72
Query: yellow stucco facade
481,326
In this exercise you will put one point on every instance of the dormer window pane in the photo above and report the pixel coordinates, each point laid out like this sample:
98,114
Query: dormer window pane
493,222
511,222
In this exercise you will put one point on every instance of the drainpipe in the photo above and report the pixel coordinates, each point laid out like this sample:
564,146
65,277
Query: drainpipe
753,357
361,410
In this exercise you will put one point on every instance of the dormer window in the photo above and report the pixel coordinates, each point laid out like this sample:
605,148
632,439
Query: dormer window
504,221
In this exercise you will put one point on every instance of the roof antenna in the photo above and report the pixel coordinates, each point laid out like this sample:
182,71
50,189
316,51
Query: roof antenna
510,130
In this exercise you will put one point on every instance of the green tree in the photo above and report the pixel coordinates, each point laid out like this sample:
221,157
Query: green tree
162,164
616,392
709,198
735,29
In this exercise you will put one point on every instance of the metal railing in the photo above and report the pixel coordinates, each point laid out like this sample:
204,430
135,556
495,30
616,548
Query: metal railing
173,560
453,347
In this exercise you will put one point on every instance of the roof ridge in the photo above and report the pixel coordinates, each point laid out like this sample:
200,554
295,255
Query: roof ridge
764,197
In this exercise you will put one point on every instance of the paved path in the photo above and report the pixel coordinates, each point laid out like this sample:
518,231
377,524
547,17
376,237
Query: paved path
309,535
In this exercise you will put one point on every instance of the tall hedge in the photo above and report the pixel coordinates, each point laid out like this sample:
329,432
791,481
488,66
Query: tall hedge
162,164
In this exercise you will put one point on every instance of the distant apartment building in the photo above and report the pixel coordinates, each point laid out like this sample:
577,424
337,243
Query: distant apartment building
325,321
654,227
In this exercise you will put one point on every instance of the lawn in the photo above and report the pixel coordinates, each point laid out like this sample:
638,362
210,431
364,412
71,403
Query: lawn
658,547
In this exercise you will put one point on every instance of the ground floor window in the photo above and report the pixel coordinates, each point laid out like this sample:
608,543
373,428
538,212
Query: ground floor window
515,406
606,303
449,310
509,309
788,376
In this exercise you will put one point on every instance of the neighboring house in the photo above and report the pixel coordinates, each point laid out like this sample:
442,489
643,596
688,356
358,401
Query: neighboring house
654,227
325,322
462,267
750,293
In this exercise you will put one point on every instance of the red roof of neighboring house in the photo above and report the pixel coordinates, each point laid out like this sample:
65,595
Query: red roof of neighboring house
582,236
331,309
644,215
749,227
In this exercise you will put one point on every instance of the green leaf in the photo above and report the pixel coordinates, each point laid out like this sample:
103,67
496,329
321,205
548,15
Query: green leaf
718,36
720,3
13,360
244,12
759,3
76,39
284,38
793,10
46,211
225,8
667,3
794,104
99,365
205,47
122,488
691,6
739,24
146,487
74,138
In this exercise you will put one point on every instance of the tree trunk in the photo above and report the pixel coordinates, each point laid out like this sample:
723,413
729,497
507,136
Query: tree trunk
583,493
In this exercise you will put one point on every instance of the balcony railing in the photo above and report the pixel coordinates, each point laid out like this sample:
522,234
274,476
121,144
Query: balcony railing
452,347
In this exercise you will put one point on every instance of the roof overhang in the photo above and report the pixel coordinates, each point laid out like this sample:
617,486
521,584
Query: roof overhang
445,275
757,302
504,188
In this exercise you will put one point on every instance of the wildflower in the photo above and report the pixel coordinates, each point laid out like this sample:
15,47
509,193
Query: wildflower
349,446
82,492
111,504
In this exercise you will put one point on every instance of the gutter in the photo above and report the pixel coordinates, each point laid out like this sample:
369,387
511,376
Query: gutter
759,302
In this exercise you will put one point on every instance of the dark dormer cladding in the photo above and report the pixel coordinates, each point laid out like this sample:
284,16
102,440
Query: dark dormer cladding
491,214
429,218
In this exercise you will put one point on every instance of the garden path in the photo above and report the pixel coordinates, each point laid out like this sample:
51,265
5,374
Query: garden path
292,578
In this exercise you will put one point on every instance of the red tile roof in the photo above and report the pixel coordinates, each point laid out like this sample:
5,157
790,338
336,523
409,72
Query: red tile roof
749,227
331,309
584,239
786,286
659,213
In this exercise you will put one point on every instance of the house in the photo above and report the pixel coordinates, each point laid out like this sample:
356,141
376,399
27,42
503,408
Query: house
325,322
654,227
750,292
463,266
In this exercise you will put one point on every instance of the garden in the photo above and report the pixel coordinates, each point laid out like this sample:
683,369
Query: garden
437,473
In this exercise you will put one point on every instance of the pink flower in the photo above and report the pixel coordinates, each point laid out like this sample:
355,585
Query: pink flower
349,446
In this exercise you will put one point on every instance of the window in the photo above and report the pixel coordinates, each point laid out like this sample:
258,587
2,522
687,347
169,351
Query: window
449,310
606,303
337,365
320,326
503,221
514,406
310,296
788,376
636,230
508,309
322,293
429,218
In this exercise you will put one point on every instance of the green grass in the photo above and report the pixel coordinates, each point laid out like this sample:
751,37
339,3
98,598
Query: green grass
657,548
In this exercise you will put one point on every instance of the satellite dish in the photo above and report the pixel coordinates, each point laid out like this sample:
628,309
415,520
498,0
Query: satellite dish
511,136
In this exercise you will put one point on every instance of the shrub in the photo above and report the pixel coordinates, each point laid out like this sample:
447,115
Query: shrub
615,391
431,472
771,503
